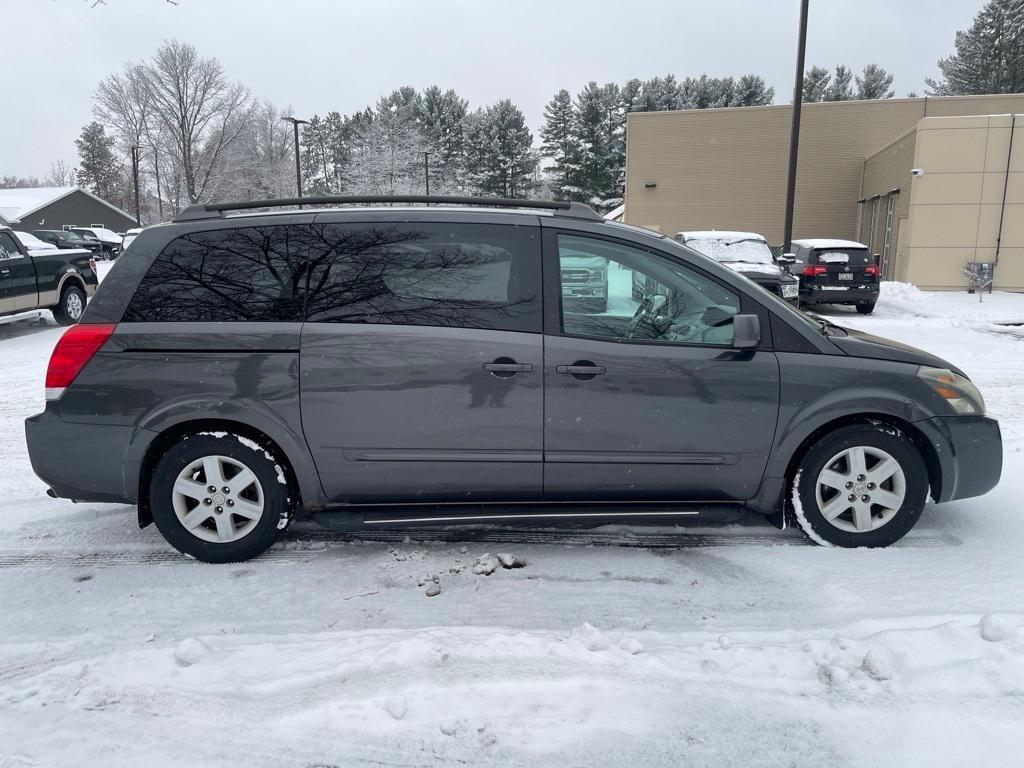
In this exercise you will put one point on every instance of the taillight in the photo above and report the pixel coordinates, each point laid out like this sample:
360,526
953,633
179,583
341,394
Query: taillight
74,349
813,270
92,265
871,269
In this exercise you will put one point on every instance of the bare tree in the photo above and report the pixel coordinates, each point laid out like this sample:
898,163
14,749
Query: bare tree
60,175
181,104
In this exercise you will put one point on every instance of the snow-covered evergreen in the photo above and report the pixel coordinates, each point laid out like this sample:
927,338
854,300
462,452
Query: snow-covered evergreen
989,56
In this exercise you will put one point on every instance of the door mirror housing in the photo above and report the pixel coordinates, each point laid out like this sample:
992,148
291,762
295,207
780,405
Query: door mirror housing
786,258
746,331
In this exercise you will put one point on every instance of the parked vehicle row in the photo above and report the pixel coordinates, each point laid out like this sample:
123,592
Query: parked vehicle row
44,277
381,367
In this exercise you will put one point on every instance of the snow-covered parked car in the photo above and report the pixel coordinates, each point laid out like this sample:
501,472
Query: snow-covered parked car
33,243
749,254
129,237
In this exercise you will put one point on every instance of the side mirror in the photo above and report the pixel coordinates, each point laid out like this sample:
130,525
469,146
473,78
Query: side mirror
786,258
746,331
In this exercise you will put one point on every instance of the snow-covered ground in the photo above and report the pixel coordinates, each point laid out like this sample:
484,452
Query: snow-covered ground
704,646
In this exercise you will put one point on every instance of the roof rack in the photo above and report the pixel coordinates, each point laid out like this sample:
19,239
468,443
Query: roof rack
558,207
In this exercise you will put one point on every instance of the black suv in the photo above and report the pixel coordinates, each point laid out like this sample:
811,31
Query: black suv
836,272
416,365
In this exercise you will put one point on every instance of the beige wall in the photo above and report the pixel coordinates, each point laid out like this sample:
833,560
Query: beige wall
887,172
955,206
726,168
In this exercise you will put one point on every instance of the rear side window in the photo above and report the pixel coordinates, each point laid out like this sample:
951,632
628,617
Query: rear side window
244,274
449,275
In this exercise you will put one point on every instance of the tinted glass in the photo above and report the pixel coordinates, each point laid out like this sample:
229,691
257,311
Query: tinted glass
649,298
250,273
850,256
462,275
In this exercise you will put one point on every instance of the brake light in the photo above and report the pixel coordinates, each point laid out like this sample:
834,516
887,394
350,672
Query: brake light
813,270
871,269
74,349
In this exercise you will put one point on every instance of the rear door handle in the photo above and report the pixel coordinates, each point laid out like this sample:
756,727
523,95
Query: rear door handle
581,369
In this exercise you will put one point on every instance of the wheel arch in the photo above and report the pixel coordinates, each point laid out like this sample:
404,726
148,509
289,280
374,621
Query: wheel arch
917,437
172,434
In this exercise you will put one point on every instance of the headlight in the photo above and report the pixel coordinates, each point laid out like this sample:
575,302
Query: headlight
790,290
959,391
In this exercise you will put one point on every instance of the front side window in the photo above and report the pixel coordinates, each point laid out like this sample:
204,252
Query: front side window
448,275
231,275
8,250
650,298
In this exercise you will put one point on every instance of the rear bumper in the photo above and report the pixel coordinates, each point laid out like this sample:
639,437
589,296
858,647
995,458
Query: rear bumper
969,451
829,294
84,462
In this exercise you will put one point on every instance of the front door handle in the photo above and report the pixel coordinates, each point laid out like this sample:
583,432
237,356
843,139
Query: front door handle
583,370
504,367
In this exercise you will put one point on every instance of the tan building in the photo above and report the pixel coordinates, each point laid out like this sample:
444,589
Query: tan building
726,169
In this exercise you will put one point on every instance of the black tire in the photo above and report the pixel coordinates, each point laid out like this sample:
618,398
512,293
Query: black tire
866,309
886,438
71,306
277,499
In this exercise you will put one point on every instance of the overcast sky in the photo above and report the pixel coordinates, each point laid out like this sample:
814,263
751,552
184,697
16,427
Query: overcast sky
323,55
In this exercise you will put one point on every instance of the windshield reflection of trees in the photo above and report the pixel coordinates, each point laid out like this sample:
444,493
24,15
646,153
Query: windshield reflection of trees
365,273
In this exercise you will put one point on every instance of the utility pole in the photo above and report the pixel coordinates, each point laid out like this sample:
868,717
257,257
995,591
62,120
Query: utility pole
135,175
426,172
298,166
156,170
794,137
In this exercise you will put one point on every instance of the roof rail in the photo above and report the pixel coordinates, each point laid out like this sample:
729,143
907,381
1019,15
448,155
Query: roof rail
558,207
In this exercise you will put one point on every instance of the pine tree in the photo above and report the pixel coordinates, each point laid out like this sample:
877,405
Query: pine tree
989,56
499,158
661,93
874,83
631,95
816,81
840,89
752,91
559,142
443,122
600,137
98,168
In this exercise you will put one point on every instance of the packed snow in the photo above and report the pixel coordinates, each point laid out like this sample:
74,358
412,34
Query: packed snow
617,646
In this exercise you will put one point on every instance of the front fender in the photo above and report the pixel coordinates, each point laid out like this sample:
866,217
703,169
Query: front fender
811,398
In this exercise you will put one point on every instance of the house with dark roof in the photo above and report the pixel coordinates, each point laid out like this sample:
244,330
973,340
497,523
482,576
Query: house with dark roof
31,208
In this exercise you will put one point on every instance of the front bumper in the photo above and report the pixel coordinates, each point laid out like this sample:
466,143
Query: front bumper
969,451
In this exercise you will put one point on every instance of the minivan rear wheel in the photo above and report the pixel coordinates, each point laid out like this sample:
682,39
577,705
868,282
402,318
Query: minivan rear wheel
220,498
860,486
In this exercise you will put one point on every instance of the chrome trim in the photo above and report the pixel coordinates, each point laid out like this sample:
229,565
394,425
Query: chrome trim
527,516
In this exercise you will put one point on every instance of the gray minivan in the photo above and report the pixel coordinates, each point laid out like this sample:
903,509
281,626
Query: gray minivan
417,365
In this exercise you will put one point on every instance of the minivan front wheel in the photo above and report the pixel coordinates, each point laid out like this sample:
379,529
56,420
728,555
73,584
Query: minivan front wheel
860,486
219,498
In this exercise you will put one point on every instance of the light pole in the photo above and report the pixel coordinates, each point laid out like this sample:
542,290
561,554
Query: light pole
298,167
426,172
794,136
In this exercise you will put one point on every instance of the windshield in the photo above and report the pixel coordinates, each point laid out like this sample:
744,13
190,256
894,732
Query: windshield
752,251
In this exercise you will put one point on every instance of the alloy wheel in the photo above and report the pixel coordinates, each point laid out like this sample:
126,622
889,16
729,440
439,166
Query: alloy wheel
860,489
217,499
